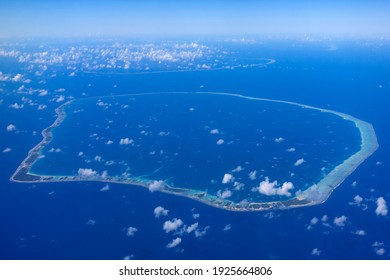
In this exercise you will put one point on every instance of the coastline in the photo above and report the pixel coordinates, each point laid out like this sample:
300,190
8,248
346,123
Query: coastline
316,194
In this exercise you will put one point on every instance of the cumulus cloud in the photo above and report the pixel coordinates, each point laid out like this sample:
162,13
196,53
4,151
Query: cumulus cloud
360,232
17,78
11,128
109,142
160,211
315,252
227,227
90,222
381,209
192,228
220,142
253,175
7,150
214,131
358,199
60,98
87,173
224,194
299,162
270,188
172,225
340,221
174,243
238,169
126,141
130,231
280,139
200,233
156,186
16,106
378,248
290,150
314,221
227,178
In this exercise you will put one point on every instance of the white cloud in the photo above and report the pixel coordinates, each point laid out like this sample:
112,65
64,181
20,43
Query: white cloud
227,227
52,150
97,158
7,150
290,150
60,90
358,199
41,107
354,184
126,141
378,248
87,173
314,221
280,139
238,186
270,188
220,142
16,106
131,231
253,175
192,227
174,243
172,225
214,131
17,78
90,222
60,98
227,178
238,169
11,127
196,216
105,188
360,232
156,186
316,252
340,221
200,233
381,209
80,154
43,92
160,211
224,194
299,162
109,142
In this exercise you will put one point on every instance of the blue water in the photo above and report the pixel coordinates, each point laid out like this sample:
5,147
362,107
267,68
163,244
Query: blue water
78,221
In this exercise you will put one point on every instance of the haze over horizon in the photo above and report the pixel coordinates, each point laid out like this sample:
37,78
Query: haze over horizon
39,18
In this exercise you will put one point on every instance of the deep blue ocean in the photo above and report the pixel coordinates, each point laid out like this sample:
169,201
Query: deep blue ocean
80,221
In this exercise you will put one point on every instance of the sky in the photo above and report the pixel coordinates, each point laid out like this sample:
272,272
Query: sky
35,18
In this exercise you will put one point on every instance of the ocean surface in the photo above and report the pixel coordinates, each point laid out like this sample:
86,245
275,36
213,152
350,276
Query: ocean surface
100,220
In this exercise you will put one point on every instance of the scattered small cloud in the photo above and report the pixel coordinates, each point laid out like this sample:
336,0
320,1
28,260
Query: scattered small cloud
378,248
227,178
227,227
290,150
192,228
172,225
156,186
160,211
130,231
87,173
214,131
315,252
360,232
126,141
270,188
60,98
354,184
340,221
90,222
253,175
224,194
299,162
175,242
280,139
220,142
7,150
381,209
238,169
16,106
109,142
11,127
